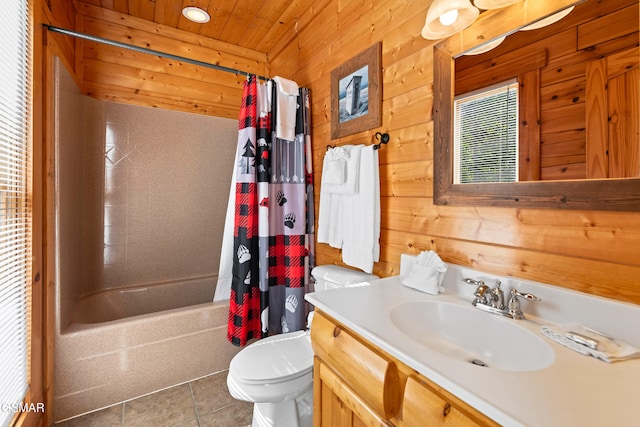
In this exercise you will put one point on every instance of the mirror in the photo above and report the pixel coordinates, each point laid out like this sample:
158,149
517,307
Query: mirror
588,194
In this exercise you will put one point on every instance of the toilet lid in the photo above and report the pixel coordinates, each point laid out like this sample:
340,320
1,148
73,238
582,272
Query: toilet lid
274,359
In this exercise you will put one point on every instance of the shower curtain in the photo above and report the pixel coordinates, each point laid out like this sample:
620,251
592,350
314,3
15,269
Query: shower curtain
273,218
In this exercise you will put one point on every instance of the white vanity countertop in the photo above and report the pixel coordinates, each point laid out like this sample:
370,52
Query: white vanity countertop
575,390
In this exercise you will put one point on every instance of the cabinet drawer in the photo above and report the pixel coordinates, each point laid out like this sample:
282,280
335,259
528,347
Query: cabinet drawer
424,405
372,376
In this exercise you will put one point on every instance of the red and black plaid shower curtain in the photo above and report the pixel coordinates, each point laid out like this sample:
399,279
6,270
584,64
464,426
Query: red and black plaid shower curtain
273,225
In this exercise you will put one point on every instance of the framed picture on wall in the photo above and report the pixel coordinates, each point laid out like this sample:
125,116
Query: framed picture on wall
356,93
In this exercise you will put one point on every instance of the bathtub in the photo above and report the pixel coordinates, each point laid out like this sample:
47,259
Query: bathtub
121,303
125,343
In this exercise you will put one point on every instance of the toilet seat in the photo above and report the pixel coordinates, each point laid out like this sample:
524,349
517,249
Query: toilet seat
272,360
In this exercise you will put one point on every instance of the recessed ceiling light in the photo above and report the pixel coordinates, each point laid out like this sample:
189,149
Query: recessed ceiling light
195,14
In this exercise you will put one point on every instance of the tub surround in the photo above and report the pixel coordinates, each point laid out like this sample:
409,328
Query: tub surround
572,390
102,364
139,214
137,199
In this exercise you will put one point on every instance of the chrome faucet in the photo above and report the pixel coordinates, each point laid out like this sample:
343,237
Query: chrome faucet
492,299
481,290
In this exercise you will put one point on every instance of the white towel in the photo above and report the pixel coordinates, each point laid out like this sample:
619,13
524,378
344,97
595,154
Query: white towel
334,171
361,215
331,220
329,214
334,167
287,98
427,274
608,349
351,154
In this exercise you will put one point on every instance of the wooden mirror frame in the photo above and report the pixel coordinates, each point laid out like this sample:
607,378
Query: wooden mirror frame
603,194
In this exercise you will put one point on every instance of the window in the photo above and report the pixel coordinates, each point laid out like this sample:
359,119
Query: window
486,135
15,206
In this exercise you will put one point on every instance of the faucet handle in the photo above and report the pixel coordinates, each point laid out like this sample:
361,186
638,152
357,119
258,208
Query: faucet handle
530,297
481,289
514,303
470,281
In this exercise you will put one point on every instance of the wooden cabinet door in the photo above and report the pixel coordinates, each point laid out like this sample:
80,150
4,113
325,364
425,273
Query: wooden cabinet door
336,404
370,374
424,406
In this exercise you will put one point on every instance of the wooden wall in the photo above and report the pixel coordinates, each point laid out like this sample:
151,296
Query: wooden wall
590,251
576,61
119,75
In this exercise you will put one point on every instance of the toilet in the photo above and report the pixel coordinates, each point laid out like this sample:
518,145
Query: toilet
276,373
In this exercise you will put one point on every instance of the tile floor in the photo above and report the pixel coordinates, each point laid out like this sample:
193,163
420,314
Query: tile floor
205,402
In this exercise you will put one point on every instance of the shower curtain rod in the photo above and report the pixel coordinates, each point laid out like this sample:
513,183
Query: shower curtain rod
149,51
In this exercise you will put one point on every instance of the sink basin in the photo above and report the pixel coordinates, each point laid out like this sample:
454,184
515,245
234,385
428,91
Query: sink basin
470,335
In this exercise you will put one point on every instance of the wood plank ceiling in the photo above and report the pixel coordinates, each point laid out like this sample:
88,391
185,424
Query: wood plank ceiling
253,24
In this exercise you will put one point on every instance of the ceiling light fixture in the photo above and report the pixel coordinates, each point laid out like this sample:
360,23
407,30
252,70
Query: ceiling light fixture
195,14
493,4
447,17
486,47
548,20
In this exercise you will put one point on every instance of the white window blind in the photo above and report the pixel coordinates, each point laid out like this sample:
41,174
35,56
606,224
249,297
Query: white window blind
15,205
486,135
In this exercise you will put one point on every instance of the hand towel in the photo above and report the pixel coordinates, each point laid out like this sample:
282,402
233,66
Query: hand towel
334,167
329,212
287,105
361,215
330,224
331,216
335,170
427,274
351,154
608,349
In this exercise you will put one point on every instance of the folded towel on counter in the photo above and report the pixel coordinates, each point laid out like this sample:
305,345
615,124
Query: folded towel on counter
589,342
427,274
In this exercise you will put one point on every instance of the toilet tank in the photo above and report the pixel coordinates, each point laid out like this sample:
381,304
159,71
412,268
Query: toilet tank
334,276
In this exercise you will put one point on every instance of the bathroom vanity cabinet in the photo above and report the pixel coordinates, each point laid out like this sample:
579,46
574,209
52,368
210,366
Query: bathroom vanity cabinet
358,384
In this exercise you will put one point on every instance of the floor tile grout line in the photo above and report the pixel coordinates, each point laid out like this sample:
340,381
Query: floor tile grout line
195,406
211,374
123,410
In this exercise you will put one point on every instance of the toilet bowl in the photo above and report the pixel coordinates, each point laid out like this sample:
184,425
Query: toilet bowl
276,373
